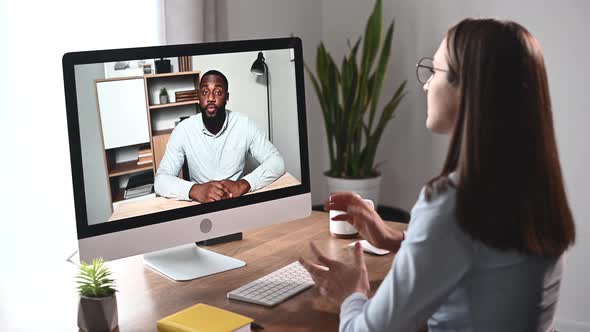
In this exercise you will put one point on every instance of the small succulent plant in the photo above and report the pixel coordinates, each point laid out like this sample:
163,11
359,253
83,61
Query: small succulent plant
94,279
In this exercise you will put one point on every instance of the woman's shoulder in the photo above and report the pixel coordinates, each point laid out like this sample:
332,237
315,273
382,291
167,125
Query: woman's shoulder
441,199
434,214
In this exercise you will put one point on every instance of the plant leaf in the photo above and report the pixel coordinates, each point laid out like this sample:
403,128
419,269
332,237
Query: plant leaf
347,93
328,123
93,279
386,115
372,37
380,72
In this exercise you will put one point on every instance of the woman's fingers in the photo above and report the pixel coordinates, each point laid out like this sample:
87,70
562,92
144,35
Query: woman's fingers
342,217
317,272
340,200
328,262
352,212
358,254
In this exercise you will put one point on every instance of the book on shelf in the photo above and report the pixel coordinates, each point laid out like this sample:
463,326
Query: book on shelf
138,191
185,63
140,179
204,318
180,100
144,160
187,95
144,153
133,199
139,184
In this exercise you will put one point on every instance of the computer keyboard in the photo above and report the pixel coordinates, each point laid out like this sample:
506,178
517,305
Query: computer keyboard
274,287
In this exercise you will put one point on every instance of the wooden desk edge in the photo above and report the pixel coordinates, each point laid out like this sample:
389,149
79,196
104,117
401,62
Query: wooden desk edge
158,204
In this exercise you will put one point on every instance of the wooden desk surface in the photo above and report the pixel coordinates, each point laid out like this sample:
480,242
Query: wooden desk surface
145,296
158,204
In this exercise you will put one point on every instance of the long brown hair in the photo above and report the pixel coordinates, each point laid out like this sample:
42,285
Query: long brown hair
510,192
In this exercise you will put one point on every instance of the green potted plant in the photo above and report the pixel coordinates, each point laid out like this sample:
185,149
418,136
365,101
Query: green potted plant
97,310
349,97
163,96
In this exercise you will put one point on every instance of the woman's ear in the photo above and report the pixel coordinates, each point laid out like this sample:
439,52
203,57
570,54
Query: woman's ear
452,76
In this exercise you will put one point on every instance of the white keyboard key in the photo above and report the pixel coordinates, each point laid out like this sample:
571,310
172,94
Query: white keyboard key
275,287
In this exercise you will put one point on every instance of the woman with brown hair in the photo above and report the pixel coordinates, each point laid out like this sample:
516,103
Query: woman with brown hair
484,249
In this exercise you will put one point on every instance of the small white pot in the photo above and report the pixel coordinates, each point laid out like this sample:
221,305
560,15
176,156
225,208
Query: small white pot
97,314
368,188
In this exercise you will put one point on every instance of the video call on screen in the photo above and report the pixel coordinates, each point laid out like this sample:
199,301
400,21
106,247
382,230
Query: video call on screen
147,130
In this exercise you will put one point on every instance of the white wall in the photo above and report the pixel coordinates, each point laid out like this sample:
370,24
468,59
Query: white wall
246,95
285,129
37,210
189,21
413,155
182,23
34,136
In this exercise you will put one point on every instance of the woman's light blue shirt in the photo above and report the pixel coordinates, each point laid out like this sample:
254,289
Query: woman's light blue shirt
443,276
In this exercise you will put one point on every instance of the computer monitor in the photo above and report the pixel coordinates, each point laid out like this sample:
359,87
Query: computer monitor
176,144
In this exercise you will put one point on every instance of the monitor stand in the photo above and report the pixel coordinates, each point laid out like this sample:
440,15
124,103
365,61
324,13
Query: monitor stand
189,262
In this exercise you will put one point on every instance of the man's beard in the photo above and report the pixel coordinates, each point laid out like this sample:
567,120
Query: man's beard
213,123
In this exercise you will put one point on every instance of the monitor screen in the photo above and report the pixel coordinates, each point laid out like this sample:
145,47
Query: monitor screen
159,134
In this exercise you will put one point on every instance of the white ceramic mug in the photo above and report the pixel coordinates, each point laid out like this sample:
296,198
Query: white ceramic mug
344,228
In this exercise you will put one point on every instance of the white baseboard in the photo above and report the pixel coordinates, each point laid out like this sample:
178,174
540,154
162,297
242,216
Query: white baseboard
562,325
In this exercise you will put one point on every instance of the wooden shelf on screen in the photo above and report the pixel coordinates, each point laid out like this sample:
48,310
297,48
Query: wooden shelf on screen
197,72
190,102
162,132
129,167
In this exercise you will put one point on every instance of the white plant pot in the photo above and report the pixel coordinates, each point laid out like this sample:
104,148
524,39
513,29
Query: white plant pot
97,314
369,188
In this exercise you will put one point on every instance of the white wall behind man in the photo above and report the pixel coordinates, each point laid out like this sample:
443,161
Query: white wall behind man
245,94
413,155
283,100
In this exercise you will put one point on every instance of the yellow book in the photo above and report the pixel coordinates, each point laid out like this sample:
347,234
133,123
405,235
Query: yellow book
204,318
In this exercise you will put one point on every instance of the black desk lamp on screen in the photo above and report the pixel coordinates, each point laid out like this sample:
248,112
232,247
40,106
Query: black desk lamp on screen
259,67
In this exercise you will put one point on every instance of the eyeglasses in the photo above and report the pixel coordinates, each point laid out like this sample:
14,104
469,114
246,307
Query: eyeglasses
425,69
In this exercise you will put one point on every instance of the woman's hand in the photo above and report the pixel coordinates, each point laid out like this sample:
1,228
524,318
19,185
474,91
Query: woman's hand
365,219
337,280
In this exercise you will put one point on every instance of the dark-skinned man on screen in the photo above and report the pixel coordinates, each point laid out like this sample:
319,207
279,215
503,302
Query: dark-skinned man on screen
216,143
